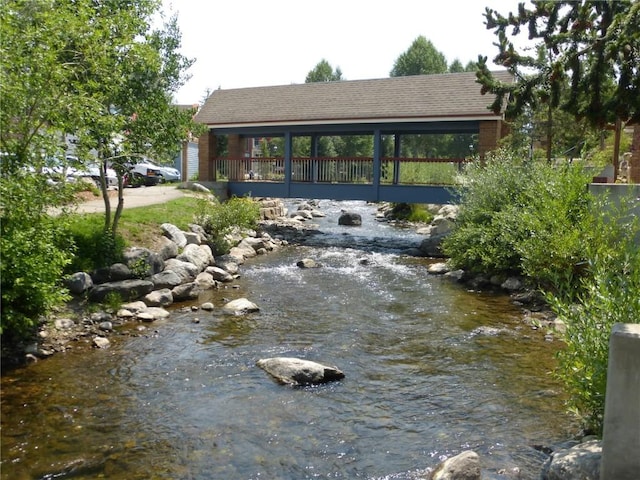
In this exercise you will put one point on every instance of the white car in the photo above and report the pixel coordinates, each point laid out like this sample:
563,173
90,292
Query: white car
93,171
169,174
149,173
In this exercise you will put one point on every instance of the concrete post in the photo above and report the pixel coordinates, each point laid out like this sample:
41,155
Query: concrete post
621,435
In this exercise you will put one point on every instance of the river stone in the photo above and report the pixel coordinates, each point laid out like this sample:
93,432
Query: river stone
512,284
174,234
438,268
205,281
125,289
79,283
166,279
152,313
64,323
295,371
464,466
134,307
186,291
227,263
240,306
101,342
167,248
581,461
143,262
186,271
219,274
158,298
196,255
350,218
308,263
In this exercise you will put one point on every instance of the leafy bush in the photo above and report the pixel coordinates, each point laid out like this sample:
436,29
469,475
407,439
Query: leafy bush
609,295
520,217
35,250
411,212
95,248
219,219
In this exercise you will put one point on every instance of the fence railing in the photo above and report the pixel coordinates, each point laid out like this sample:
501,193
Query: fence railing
352,170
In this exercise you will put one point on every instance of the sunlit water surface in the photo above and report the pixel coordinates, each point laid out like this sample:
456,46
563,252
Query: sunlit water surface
431,370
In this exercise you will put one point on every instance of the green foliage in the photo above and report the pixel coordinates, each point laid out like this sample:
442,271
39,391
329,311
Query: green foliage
520,217
220,219
421,58
610,294
95,248
590,45
411,212
324,72
34,251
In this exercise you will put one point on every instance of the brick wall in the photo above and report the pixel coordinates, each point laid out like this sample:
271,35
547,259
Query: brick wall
491,131
207,146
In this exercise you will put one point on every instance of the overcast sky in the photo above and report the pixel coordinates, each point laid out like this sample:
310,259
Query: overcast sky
247,43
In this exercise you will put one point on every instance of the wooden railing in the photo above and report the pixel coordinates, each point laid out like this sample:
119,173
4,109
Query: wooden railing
352,170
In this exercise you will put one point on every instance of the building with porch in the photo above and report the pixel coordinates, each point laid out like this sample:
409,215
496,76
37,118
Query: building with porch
387,109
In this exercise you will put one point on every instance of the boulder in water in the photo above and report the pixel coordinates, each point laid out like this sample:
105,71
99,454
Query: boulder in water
350,218
295,371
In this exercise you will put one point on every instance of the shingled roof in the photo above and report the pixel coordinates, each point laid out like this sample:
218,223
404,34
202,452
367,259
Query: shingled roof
424,98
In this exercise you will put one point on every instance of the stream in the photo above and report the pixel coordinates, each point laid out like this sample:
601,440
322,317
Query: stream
432,369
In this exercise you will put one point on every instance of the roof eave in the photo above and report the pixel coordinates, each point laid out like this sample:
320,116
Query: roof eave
351,121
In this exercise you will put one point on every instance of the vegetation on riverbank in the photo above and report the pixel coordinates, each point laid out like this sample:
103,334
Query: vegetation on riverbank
537,220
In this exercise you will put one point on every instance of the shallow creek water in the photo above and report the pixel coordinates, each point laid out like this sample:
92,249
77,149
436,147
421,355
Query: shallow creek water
431,370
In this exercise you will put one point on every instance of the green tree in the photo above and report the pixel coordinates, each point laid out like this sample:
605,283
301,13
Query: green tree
592,46
421,58
92,69
324,72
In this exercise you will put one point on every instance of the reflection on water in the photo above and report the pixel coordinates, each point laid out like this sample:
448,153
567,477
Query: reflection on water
185,400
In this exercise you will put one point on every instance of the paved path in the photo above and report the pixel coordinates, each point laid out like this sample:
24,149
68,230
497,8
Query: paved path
135,197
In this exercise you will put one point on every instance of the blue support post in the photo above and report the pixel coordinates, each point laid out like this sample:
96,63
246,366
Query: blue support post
377,144
288,147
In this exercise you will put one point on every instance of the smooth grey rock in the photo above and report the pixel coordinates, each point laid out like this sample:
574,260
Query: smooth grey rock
350,218
63,323
205,281
439,268
219,274
125,289
186,271
143,262
227,263
579,462
296,371
101,342
208,306
174,234
196,255
240,306
166,279
432,246
464,466
79,283
152,313
512,284
307,263
158,298
167,248
184,292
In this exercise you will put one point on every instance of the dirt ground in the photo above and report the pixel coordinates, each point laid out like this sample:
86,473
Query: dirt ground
133,197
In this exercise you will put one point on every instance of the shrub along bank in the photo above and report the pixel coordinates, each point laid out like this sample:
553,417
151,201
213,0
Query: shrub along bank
537,220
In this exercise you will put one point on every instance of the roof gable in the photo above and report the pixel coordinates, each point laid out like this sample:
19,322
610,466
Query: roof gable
439,97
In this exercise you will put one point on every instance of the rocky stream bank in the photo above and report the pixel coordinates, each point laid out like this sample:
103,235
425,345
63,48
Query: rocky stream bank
183,266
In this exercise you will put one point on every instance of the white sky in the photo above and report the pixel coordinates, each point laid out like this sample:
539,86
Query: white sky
248,43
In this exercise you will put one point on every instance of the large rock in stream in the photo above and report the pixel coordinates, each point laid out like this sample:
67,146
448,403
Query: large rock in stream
295,371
